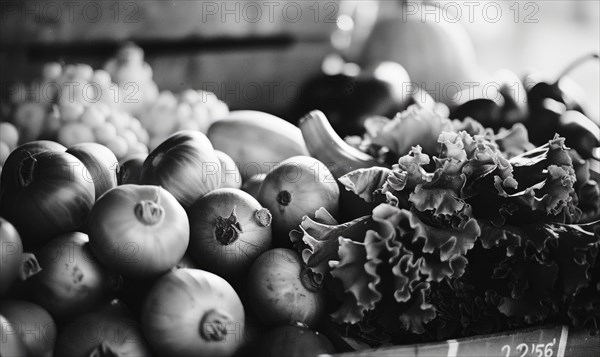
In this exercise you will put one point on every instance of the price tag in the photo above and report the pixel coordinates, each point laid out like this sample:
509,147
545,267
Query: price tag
546,342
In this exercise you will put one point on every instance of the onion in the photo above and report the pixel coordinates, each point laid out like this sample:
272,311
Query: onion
71,280
282,291
13,262
109,330
33,324
228,230
185,165
192,312
138,230
48,194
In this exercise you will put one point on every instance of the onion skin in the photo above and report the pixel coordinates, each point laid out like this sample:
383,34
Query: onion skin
252,184
123,240
71,280
11,255
130,171
10,343
297,187
21,152
192,312
230,174
293,341
34,324
110,328
230,260
279,291
50,193
185,165
101,163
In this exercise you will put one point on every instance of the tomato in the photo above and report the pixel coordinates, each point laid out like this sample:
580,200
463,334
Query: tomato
185,165
11,344
101,163
297,187
228,230
138,230
230,174
48,193
293,341
13,262
281,291
33,324
192,312
71,280
109,330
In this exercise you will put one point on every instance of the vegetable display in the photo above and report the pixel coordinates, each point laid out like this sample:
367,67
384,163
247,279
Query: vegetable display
242,234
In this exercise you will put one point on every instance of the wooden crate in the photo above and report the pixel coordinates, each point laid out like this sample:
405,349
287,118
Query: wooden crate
546,341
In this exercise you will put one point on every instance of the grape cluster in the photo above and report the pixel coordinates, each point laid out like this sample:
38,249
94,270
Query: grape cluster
188,110
133,78
73,104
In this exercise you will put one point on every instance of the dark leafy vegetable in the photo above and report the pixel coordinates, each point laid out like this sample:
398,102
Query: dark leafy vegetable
485,236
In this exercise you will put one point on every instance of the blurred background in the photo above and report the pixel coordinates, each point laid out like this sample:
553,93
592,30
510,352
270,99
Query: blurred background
258,54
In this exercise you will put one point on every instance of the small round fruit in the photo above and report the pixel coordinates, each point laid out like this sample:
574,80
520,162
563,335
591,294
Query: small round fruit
75,133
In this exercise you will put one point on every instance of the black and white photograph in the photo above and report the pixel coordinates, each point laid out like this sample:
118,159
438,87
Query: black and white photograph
299,178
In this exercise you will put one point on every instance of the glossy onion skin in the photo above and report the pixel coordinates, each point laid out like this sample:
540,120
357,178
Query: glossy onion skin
34,324
174,309
311,186
101,163
31,148
111,324
185,165
71,280
233,260
276,291
11,255
130,171
130,247
57,200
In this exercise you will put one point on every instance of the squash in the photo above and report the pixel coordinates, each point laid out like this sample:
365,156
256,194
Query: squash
437,53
